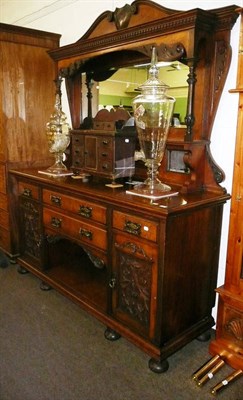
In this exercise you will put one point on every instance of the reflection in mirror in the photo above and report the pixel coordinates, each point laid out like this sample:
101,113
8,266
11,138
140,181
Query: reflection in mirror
121,88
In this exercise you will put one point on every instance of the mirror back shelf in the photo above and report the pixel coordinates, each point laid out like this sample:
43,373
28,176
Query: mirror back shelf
198,38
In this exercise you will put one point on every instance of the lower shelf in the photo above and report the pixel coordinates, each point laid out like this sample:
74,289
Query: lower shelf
71,271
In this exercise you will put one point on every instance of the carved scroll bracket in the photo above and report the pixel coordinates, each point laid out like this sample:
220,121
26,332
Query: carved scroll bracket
173,52
133,249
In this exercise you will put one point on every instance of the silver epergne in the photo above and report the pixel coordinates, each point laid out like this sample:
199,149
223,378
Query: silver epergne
58,135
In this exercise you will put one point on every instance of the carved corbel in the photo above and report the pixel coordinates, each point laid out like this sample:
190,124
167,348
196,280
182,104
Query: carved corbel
194,161
171,53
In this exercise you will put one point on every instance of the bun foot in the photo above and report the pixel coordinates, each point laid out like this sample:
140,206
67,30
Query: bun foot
44,286
157,366
204,337
22,270
111,335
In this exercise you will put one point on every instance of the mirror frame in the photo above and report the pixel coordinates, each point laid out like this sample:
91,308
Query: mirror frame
199,38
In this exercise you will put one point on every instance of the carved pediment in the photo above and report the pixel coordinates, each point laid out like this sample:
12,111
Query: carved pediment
128,16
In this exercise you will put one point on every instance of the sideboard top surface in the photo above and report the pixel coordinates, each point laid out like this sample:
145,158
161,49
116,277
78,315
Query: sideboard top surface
97,190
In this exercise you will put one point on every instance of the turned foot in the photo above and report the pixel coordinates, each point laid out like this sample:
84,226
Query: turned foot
45,286
158,366
111,335
204,337
22,270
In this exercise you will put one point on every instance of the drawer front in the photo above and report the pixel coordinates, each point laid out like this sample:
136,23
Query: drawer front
135,225
77,162
105,143
104,126
5,239
77,151
3,202
105,154
105,166
78,156
80,207
75,229
4,219
77,140
28,190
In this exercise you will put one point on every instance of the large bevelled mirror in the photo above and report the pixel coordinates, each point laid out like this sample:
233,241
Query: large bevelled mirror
121,88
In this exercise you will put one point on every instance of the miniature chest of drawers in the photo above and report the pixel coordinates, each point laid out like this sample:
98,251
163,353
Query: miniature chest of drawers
106,154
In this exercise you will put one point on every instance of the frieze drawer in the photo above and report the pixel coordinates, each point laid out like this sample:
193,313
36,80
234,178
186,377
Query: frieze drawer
78,230
82,208
135,225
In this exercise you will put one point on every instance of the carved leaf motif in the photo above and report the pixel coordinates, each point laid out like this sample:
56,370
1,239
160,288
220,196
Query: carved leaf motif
135,274
135,282
31,228
97,261
223,54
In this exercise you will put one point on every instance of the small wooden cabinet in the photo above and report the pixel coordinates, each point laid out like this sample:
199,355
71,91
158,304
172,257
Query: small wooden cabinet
103,153
26,102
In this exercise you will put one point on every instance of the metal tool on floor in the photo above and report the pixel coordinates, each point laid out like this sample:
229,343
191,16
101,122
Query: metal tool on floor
205,368
225,382
208,371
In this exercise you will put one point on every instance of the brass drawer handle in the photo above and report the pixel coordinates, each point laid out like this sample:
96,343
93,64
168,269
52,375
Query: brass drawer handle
56,222
56,200
27,192
85,233
105,166
85,211
105,142
132,227
104,154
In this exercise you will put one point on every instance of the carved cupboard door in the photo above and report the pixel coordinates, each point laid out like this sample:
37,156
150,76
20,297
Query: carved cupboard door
90,152
31,238
134,286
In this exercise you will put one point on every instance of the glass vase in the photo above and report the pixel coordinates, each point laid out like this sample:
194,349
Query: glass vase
58,136
153,110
